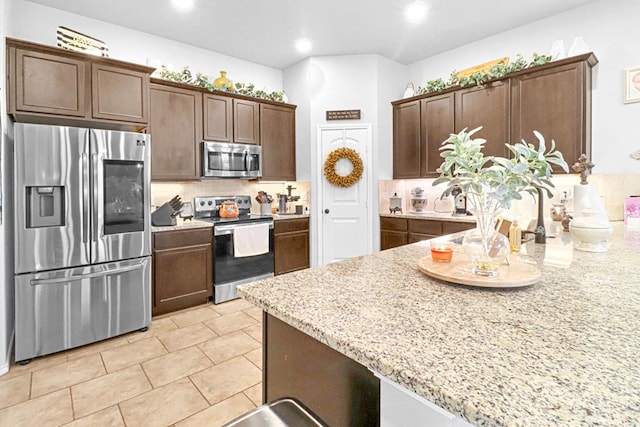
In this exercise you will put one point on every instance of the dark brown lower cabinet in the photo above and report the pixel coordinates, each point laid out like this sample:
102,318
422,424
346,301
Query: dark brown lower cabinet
182,269
336,388
401,231
291,245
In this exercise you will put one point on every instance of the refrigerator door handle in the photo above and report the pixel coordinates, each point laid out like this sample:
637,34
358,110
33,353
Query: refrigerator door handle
57,280
86,185
95,199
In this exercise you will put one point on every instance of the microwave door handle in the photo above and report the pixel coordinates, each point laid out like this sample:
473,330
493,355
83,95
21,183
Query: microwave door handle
246,160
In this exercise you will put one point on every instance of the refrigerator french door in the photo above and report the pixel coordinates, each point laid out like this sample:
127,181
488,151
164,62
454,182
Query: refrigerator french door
82,236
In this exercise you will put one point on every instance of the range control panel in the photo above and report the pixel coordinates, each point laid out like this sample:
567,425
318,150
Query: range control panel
209,205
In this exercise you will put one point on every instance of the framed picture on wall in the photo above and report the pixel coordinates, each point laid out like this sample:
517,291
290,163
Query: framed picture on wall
632,85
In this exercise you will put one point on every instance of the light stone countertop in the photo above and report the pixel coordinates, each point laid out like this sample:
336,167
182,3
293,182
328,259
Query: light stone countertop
564,351
194,223
441,216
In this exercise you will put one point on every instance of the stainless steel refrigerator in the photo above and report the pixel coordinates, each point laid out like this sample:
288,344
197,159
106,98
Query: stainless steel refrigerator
82,236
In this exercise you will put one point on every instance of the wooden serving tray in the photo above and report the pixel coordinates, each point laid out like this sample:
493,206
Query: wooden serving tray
514,275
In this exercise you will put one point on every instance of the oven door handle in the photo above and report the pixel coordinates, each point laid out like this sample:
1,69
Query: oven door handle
223,230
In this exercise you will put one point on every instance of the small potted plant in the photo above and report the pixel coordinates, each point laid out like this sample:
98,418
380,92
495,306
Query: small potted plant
490,184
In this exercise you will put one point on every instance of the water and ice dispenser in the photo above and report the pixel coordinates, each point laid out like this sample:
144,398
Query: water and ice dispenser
45,206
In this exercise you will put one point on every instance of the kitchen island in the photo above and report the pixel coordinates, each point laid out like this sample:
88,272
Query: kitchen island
563,351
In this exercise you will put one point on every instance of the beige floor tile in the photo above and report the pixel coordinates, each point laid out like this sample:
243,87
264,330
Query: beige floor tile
231,377
94,348
165,405
157,326
184,310
220,413
173,366
14,390
192,317
255,357
232,306
255,331
231,322
67,374
254,312
132,354
228,346
107,417
186,337
36,364
105,391
52,409
255,394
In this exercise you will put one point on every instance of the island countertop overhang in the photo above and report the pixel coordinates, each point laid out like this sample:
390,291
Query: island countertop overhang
561,351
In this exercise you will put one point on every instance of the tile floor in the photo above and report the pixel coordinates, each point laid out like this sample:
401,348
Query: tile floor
200,366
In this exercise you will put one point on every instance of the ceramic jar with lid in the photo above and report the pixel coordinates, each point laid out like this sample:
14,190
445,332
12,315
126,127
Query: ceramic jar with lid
591,232
395,203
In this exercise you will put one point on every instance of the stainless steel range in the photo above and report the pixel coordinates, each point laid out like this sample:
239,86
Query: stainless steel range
242,245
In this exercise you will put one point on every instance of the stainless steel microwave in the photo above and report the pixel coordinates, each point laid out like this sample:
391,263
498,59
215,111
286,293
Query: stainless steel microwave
224,160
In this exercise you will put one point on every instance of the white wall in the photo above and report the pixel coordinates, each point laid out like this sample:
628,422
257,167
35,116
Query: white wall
611,31
38,24
6,247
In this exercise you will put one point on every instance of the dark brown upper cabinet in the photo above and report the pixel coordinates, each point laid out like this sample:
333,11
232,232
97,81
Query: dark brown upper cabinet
554,99
557,103
486,106
176,132
52,85
278,140
218,118
246,121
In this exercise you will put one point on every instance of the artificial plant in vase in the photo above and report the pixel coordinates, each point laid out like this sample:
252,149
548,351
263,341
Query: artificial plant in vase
490,184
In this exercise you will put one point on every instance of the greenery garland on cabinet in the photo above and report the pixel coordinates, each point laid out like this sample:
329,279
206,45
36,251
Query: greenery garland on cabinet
481,77
204,81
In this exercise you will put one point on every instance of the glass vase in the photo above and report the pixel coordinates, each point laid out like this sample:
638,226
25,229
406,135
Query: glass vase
485,247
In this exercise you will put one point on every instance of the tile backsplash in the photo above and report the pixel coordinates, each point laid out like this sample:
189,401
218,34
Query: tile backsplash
162,192
612,190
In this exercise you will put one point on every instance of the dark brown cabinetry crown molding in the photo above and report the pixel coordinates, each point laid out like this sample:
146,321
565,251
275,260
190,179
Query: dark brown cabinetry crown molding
51,85
554,99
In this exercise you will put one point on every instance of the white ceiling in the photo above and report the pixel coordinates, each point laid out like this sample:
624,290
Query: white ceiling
264,31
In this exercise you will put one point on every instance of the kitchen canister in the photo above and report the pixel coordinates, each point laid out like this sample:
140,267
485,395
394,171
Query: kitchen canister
265,208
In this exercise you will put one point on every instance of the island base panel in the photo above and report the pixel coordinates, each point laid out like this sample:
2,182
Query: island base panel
337,389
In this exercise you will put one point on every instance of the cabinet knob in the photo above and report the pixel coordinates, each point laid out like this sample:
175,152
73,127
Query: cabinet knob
326,211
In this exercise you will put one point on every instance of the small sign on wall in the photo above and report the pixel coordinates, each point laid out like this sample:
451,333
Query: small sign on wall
72,40
343,115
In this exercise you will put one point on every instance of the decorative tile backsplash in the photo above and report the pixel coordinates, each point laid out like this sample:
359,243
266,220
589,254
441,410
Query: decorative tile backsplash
162,192
613,189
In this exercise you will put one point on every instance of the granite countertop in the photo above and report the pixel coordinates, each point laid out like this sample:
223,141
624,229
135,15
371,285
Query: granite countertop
194,223
442,216
563,351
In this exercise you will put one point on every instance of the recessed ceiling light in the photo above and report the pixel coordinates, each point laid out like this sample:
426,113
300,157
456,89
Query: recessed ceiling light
303,45
183,5
415,12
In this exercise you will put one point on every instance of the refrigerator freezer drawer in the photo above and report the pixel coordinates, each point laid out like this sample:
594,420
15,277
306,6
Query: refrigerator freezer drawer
62,309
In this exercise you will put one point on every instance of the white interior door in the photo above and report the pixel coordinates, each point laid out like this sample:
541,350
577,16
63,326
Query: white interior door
346,219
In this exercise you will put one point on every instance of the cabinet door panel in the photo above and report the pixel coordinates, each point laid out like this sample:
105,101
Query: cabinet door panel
119,94
425,226
555,103
50,84
437,124
486,106
176,132
246,122
278,140
406,140
291,252
392,239
218,118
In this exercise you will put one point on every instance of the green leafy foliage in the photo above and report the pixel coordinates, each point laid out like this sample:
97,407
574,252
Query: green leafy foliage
479,78
204,81
497,181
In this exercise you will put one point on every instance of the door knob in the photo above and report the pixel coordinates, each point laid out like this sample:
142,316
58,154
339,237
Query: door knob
326,211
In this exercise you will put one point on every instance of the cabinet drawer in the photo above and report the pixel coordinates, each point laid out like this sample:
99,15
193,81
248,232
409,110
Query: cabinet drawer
290,225
425,226
417,237
393,224
449,227
181,238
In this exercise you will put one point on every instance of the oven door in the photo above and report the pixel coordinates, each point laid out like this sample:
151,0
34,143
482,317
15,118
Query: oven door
223,160
230,271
